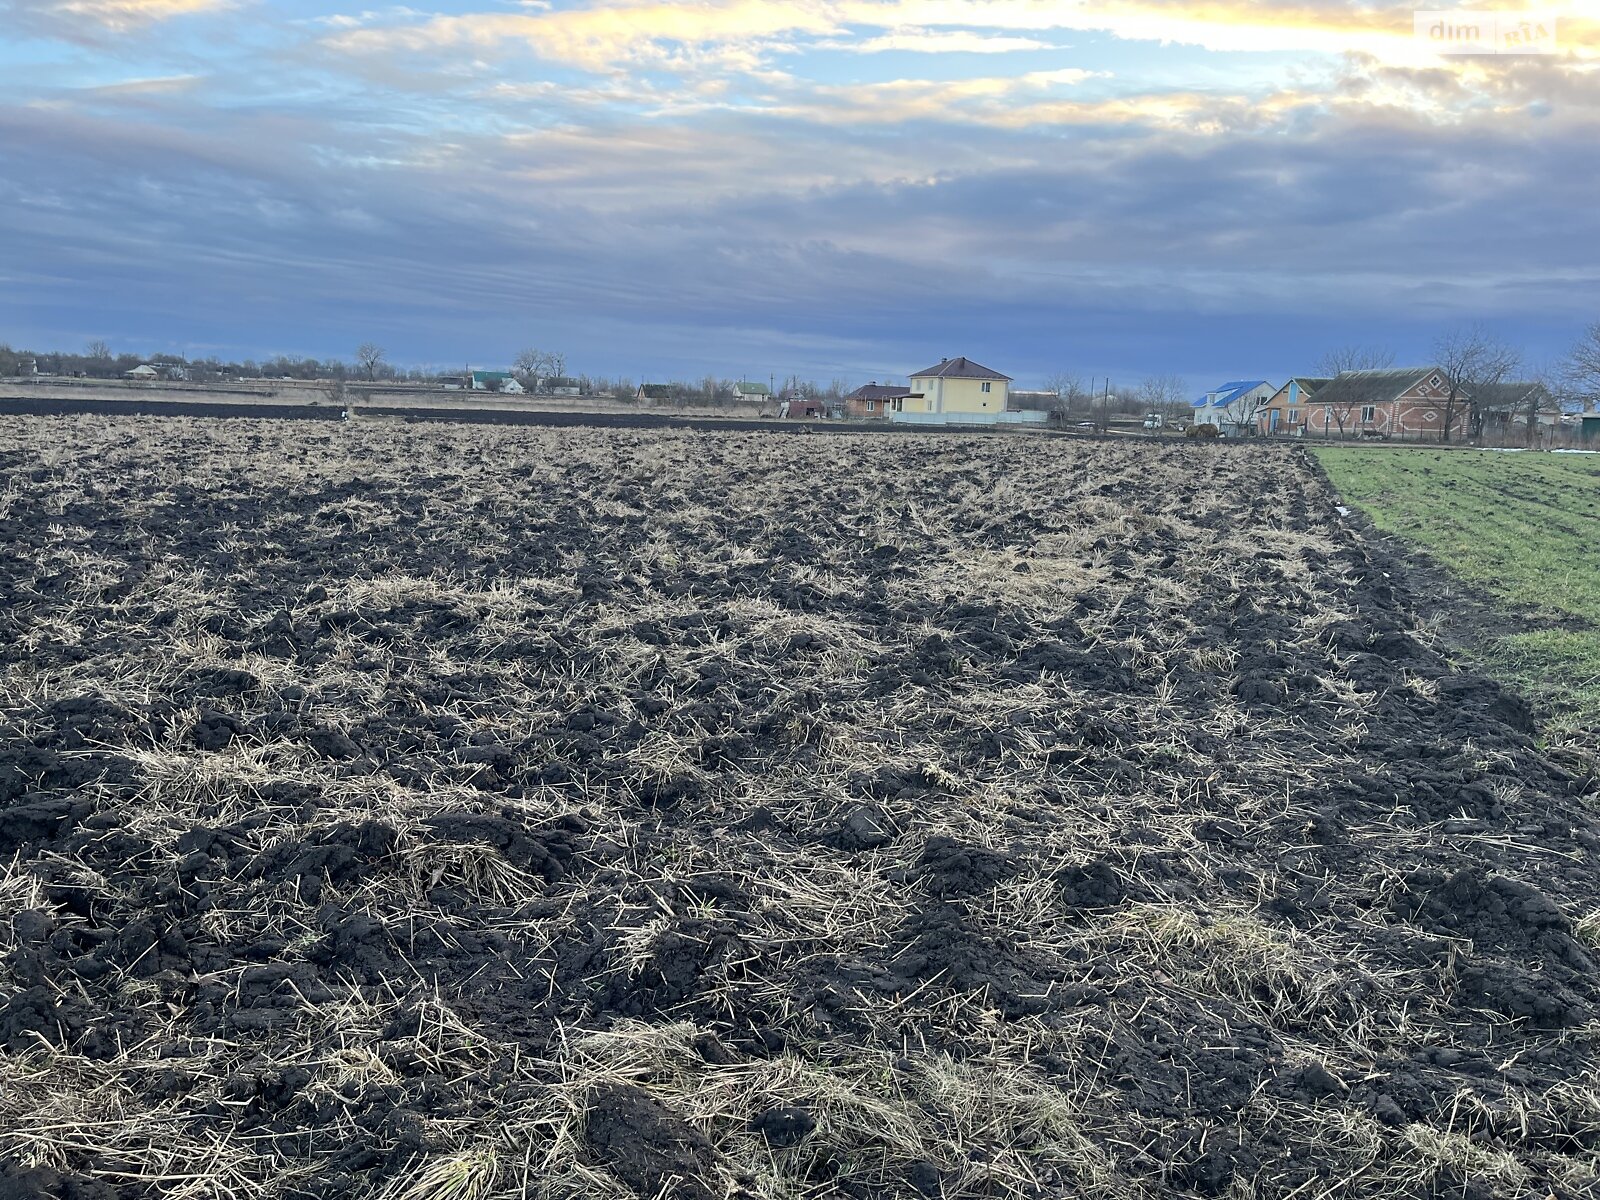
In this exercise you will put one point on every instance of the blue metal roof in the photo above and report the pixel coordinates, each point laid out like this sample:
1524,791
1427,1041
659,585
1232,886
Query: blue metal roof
1228,393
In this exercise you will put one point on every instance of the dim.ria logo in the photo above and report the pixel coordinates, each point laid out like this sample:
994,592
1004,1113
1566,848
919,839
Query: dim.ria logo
1488,31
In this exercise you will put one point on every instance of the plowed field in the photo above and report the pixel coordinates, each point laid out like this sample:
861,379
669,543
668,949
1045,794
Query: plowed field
449,813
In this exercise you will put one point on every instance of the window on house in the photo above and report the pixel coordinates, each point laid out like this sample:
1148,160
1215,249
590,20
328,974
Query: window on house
986,387
1294,415
1369,413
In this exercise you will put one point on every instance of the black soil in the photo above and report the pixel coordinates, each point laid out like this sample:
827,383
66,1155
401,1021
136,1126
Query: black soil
609,813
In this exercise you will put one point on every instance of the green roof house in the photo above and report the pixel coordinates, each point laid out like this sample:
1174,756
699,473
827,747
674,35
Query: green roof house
496,381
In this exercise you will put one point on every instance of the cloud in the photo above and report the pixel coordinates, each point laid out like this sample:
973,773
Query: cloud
88,18
1383,30
769,229
926,41
653,184
1012,101
606,37
602,35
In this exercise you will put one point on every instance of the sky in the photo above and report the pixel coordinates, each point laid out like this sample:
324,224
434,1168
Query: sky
850,189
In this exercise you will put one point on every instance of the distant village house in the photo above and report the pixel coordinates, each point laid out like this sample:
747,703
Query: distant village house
654,393
1504,407
956,389
1233,406
873,401
1403,403
1285,414
496,381
794,405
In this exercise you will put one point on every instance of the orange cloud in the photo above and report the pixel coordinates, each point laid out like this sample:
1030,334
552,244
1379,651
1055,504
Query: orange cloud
604,36
613,34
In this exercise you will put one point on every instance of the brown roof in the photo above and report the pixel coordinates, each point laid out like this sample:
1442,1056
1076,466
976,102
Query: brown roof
1352,388
960,368
878,391
1309,385
1513,396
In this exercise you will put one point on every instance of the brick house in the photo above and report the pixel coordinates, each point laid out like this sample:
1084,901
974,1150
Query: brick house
1405,404
795,405
1286,413
873,401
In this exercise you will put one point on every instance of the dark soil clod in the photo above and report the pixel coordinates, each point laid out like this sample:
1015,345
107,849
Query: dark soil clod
783,1127
405,811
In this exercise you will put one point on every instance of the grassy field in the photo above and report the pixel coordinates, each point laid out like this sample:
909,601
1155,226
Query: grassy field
1525,528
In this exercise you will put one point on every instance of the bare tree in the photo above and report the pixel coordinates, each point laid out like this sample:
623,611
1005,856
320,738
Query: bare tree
1580,373
98,351
528,367
1160,391
1499,406
370,356
1245,412
1354,358
1340,405
1068,388
1545,386
1163,395
1471,357
1339,401
533,367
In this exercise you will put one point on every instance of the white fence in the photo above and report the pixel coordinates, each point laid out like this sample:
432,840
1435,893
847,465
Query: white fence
1026,417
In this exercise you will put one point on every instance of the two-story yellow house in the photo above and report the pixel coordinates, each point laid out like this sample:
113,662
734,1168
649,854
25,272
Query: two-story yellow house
960,387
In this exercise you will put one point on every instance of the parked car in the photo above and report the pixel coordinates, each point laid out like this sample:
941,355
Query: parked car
1154,421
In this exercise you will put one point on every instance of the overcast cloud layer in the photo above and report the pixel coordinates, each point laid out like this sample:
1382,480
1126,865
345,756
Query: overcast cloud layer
831,187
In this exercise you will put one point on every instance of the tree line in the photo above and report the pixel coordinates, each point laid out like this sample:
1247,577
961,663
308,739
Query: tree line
1473,357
